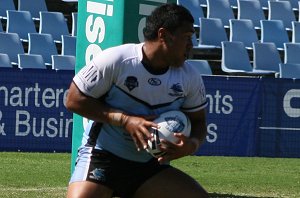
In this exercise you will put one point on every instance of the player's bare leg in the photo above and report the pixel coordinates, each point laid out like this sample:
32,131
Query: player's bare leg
88,189
171,183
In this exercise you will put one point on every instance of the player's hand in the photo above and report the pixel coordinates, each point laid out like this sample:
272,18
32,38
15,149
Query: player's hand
182,148
138,127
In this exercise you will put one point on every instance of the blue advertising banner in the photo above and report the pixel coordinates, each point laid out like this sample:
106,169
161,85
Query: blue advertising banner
32,112
279,127
245,116
233,106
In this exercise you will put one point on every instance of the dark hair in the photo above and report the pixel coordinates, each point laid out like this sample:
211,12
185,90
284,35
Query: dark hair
169,16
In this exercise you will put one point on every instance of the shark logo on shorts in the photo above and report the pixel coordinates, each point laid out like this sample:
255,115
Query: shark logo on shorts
97,174
131,82
176,90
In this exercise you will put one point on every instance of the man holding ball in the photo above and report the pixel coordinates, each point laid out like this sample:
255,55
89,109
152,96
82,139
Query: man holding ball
122,91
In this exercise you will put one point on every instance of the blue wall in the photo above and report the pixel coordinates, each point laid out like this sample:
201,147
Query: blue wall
245,116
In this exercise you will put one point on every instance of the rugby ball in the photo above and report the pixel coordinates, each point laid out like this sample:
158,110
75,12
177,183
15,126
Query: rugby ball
169,123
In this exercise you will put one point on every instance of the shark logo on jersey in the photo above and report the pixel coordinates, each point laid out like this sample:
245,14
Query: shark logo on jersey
174,124
176,90
131,82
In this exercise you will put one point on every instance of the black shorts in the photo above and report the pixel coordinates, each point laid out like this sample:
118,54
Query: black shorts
124,177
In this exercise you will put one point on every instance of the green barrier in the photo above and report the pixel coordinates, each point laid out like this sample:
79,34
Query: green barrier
103,24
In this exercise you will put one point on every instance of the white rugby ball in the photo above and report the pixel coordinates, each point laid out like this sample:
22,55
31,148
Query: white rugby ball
169,123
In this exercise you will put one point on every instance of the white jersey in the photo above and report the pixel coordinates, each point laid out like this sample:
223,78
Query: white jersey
118,75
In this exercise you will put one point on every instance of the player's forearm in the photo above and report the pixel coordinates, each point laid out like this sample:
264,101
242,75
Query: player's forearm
92,108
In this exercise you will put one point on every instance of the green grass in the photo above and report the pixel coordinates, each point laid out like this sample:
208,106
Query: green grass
31,175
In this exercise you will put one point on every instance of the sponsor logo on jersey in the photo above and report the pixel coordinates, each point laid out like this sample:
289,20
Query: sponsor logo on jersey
176,90
131,82
154,81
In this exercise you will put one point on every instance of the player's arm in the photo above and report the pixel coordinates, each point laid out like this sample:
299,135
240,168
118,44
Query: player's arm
95,109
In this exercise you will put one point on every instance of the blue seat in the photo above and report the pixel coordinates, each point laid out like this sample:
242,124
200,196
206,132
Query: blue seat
201,65
63,62
42,44
195,8
289,70
5,61
33,6
264,4
31,61
68,45
74,23
235,59
251,10
296,32
11,45
275,32
212,32
4,6
243,30
292,53
282,10
220,9
266,57
53,23
20,22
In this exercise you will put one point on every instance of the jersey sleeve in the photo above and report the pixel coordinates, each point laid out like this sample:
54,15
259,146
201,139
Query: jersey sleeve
196,97
96,78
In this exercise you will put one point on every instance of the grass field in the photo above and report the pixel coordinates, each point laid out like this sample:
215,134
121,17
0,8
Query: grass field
41,175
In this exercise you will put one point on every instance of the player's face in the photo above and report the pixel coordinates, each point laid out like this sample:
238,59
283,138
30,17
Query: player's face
179,44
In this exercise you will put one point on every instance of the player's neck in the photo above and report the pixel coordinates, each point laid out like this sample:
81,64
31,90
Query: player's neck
153,57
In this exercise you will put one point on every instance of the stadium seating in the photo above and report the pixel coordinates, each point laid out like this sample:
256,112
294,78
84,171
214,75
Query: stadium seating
220,9
74,23
31,61
289,70
33,6
274,31
265,4
4,6
11,45
68,45
296,32
42,44
20,22
251,10
53,23
1,27
266,57
212,32
243,30
202,66
292,53
281,10
235,60
5,61
194,7
63,62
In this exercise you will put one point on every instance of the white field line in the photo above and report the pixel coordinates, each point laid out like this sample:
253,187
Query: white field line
33,189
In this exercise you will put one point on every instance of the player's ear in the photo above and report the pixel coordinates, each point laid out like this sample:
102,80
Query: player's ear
164,36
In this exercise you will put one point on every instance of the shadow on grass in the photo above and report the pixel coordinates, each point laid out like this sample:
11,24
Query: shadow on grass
215,195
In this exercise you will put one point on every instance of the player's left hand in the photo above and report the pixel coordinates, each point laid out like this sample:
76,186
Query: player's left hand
182,148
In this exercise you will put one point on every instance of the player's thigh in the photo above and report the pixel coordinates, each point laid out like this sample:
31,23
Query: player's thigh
171,183
86,189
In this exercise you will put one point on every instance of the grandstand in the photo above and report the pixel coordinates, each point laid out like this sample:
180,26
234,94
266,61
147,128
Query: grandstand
26,18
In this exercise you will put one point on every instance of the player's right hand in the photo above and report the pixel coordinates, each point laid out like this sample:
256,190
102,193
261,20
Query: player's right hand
138,127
